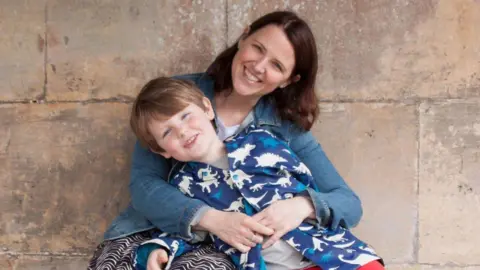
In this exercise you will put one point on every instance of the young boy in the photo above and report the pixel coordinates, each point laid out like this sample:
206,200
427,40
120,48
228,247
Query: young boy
247,173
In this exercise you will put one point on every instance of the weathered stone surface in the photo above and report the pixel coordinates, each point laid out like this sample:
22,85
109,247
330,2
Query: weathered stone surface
450,182
63,174
108,49
385,49
22,24
374,147
42,263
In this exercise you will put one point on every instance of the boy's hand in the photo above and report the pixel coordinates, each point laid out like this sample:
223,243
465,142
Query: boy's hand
157,259
284,216
236,229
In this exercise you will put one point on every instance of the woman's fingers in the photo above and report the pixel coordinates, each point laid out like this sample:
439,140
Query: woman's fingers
241,247
257,227
274,238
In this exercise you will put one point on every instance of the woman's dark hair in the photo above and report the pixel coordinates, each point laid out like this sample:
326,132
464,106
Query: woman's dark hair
297,102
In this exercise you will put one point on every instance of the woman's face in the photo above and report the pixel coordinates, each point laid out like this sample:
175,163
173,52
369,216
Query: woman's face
264,61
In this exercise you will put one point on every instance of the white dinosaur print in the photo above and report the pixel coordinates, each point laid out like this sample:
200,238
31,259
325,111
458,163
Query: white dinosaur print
230,251
254,200
275,197
239,177
268,160
257,186
288,195
362,259
250,265
335,238
301,168
206,174
304,229
184,185
345,245
240,154
206,185
229,181
235,206
292,243
317,244
283,181
367,248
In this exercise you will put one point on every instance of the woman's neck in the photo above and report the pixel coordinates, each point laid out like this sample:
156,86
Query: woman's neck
233,108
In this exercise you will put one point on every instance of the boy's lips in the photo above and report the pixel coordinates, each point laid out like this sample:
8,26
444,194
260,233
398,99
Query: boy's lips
191,141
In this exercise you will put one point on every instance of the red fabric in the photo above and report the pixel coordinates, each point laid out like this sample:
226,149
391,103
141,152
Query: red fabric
375,265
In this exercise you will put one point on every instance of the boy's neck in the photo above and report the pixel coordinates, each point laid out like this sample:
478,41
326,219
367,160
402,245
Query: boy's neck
216,151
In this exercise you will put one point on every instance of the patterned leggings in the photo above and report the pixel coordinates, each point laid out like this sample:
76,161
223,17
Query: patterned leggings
118,255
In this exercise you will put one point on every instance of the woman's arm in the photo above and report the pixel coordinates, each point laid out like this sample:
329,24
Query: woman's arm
164,205
335,203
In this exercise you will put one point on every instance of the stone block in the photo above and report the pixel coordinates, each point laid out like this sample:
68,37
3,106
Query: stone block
430,267
22,43
374,147
385,49
449,182
42,263
109,49
63,174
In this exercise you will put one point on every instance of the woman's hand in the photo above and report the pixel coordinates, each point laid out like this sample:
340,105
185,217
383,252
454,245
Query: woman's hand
157,259
285,215
236,229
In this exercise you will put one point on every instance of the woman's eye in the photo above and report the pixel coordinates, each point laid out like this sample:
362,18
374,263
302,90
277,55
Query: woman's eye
185,115
278,66
258,48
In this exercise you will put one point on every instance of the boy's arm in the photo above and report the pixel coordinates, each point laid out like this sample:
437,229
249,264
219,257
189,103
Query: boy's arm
161,203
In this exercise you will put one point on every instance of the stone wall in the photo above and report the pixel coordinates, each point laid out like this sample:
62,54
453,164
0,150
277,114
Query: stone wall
400,91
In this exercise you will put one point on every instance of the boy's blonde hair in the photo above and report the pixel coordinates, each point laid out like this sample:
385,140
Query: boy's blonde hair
160,99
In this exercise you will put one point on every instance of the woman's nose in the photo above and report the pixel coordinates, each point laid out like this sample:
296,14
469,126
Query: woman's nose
260,65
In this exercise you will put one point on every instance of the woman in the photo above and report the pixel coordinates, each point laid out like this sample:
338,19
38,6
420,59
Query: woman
267,77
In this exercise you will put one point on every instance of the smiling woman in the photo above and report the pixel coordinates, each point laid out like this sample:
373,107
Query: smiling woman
267,79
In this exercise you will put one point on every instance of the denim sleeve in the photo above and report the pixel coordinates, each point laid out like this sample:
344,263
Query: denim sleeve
164,205
335,202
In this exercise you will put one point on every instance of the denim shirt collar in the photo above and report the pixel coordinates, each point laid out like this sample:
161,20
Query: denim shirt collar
264,111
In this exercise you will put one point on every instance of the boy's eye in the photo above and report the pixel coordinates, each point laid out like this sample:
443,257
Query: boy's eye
165,133
185,115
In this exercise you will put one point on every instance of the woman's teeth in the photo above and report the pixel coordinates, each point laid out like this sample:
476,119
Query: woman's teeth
250,76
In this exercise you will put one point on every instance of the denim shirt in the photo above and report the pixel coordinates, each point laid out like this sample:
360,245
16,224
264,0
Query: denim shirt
155,203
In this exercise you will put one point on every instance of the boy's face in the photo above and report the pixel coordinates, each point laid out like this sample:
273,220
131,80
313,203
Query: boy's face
187,135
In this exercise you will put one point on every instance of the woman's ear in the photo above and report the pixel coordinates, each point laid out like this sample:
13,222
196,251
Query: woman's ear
208,108
293,79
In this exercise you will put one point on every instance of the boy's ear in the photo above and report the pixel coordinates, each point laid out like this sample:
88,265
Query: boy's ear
208,108
163,154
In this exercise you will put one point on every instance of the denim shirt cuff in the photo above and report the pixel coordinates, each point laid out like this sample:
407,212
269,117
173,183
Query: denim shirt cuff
193,216
322,210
